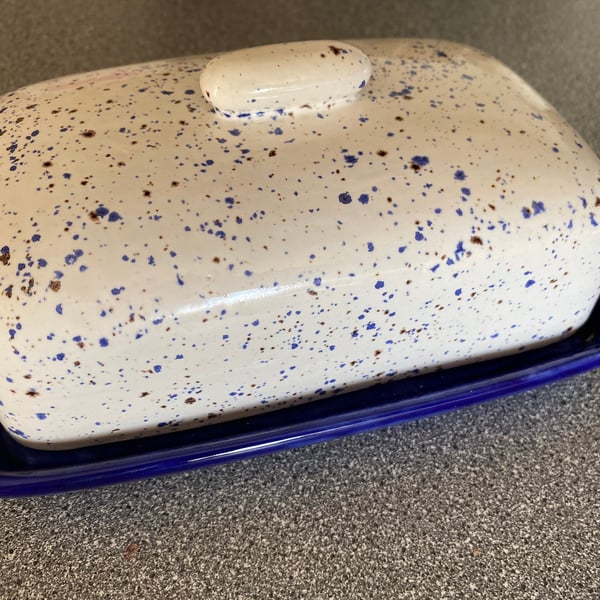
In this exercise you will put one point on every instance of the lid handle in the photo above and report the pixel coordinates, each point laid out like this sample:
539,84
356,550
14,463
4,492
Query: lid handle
283,77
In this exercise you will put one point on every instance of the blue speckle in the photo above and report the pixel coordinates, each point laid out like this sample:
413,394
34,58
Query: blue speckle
421,161
593,220
370,246
189,92
157,368
345,198
526,212
538,207
102,211
116,291
458,292
179,279
419,236
364,198
235,132
41,416
42,262
247,273
114,216
317,281
59,309
529,283
36,237
350,159
459,175
379,285
151,261
18,432
103,342
255,322
460,250
401,249
67,175
60,356
278,131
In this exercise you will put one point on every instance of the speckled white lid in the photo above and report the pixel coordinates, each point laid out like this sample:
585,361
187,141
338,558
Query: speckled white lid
164,265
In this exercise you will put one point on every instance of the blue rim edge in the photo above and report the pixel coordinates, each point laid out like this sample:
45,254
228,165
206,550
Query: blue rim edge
28,472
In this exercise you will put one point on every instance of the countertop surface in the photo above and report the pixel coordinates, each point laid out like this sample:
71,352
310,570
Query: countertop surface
500,500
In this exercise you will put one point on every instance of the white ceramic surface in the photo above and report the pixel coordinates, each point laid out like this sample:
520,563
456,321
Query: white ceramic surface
164,265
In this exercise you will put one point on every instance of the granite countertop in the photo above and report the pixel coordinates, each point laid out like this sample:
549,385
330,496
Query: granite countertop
500,500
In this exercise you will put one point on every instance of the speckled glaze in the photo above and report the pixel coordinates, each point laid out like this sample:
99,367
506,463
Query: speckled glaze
164,265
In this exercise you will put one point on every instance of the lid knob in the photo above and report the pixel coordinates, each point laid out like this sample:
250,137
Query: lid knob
283,77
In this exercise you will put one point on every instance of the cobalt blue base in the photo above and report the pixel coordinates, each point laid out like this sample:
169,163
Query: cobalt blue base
27,472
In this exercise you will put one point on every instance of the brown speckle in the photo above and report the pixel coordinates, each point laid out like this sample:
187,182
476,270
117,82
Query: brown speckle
54,285
5,257
47,163
381,152
190,400
337,51
32,393
88,133
174,183
476,240
26,289
272,153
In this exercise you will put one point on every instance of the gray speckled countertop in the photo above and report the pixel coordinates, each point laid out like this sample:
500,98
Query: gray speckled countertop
497,501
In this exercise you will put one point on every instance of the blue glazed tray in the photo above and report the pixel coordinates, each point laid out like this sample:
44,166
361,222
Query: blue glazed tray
27,472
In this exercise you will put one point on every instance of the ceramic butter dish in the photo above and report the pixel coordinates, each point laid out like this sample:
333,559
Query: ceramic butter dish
201,239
